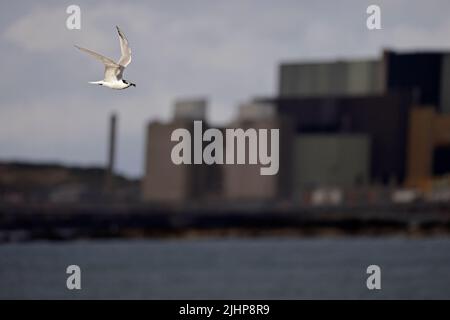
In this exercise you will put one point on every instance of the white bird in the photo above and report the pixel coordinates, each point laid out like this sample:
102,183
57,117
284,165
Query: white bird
114,70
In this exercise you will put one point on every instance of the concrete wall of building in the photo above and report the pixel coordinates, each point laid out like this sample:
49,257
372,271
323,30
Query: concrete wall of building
164,181
331,160
329,79
244,181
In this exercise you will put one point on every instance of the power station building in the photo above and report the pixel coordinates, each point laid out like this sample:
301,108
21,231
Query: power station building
343,124
400,104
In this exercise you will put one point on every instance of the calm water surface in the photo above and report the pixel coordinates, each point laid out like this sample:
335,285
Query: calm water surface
265,268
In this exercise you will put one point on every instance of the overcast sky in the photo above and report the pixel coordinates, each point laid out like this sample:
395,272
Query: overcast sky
227,51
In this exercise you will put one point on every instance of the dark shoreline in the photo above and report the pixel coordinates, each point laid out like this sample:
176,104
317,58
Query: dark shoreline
71,222
222,234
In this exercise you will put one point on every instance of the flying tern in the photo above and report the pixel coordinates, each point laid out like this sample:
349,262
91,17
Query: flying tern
114,70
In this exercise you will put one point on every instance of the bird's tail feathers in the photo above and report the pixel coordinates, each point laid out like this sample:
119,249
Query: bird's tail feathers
96,82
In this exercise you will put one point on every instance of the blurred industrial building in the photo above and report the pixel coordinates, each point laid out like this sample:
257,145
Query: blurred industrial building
346,128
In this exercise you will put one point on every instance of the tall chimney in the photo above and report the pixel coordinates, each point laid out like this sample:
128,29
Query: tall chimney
111,152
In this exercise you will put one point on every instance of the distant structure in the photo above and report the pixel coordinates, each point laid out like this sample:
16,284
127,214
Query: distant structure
322,79
330,160
400,103
190,109
345,125
382,119
109,179
424,74
166,182
244,181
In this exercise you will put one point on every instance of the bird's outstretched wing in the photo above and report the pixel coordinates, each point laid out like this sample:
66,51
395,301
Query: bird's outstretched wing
106,61
113,71
125,49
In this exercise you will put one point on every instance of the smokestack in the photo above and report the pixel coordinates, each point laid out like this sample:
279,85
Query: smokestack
111,152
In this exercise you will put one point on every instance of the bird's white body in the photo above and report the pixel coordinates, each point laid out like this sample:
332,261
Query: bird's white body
117,85
114,70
